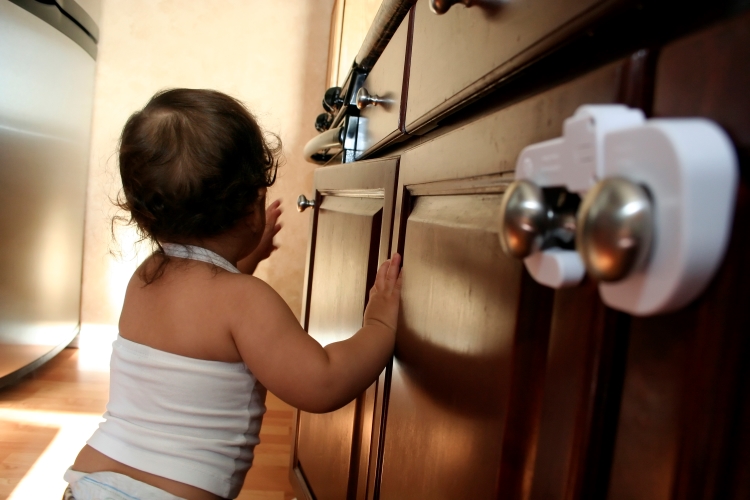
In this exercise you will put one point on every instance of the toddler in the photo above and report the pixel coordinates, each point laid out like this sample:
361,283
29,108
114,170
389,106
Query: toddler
200,338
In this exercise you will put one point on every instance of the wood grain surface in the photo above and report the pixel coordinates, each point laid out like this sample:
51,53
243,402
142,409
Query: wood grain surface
380,124
683,428
325,441
458,54
350,236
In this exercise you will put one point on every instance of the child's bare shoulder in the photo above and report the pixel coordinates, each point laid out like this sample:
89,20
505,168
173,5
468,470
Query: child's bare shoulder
255,305
249,291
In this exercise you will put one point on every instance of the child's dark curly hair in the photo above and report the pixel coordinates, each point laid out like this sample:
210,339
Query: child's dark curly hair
192,162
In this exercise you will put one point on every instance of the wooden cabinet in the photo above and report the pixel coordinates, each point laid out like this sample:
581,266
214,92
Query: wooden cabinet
503,388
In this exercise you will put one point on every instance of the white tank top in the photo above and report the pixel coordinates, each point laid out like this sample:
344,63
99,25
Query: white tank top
190,420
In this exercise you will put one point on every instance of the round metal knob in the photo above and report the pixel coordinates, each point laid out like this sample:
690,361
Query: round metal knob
303,203
364,99
523,218
323,122
442,6
332,100
615,228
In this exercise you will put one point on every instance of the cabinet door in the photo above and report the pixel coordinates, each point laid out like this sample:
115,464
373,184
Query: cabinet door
572,449
468,375
350,237
684,425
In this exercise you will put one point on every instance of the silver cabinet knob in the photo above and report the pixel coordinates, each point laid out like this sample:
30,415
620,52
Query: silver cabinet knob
523,218
303,203
364,99
442,6
615,228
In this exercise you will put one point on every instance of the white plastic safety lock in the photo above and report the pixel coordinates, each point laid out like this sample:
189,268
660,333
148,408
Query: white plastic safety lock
686,173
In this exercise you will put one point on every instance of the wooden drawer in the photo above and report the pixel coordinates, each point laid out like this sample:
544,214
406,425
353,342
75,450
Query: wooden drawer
381,123
459,54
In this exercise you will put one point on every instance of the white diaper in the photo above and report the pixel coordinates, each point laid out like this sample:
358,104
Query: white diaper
112,486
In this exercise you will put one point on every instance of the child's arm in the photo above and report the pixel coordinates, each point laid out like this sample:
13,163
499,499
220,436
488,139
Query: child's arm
292,365
266,246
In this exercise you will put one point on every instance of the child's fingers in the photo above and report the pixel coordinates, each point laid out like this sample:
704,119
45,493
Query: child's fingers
393,269
387,275
274,205
271,221
273,211
380,277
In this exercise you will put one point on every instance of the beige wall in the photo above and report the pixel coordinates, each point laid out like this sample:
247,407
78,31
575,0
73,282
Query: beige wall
271,55
357,18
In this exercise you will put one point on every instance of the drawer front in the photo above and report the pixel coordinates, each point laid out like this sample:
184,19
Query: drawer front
382,122
459,53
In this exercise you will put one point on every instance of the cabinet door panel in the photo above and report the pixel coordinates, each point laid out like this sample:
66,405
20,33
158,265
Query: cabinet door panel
348,231
582,387
349,237
683,427
450,385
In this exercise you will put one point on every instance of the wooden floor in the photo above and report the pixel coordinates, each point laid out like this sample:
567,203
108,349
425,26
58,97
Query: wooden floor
47,417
